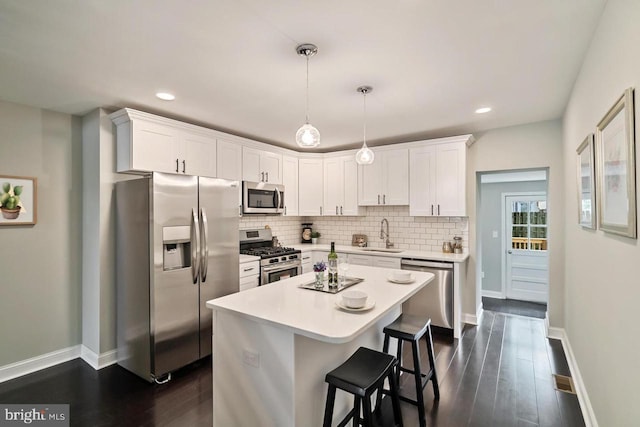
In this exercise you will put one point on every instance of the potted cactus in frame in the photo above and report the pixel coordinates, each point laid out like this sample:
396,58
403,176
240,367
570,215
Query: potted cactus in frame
10,200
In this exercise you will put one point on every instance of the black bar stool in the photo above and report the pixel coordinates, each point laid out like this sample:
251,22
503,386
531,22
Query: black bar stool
362,374
413,328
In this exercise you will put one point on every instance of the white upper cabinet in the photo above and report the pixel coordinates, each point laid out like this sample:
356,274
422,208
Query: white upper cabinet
437,182
147,143
310,189
229,160
340,189
290,182
386,181
261,166
199,155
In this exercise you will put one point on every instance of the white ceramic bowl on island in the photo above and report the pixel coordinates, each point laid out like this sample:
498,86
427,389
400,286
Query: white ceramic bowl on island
354,298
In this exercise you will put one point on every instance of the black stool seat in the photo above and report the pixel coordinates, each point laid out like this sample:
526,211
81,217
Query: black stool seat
408,327
412,328
364,369
361,375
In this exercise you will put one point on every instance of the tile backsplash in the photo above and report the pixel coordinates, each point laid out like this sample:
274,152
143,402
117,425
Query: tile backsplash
287,228
406,232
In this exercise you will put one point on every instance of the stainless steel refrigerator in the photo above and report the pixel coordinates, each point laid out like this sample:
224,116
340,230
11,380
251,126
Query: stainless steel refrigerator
176,248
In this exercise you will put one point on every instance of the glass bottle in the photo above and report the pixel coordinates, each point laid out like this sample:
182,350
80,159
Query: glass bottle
333,266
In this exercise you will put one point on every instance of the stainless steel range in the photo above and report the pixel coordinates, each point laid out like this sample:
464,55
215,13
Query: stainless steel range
276,262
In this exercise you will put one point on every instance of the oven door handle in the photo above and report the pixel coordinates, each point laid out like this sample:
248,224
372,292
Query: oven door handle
281,266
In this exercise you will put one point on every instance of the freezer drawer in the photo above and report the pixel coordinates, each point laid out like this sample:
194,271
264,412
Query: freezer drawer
436,299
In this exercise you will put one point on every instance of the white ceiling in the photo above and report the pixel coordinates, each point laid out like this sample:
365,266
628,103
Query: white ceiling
232,63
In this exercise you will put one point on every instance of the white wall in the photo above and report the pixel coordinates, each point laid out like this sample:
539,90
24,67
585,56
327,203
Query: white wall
40,264
530,146
603,271
98,273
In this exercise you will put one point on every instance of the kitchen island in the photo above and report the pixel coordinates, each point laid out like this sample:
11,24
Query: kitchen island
273,345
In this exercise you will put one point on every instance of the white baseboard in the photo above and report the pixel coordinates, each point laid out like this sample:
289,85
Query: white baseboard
585,404
493,294
96,361
24,367
34,364
473,319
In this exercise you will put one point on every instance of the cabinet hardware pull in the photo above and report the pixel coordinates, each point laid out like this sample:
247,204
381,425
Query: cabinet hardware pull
336,209
239,210
267,174
285,210
248,269
340,210
177,166
384,199
431,209
438,210
378,199
184,166
262,179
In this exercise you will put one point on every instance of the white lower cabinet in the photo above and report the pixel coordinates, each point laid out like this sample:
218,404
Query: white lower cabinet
307,262
249,275
360,259
374,261
385,262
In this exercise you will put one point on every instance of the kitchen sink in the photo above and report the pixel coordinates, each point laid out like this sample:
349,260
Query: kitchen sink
395,251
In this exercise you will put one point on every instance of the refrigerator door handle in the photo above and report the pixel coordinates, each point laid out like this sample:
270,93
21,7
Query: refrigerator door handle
204,227
195,246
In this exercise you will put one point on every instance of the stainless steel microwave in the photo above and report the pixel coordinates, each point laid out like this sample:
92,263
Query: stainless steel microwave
262,198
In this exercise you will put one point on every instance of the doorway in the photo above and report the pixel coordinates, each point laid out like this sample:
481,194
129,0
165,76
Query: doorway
513,240
526,266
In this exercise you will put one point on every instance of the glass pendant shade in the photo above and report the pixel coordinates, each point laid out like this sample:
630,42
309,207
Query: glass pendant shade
365,156
307,136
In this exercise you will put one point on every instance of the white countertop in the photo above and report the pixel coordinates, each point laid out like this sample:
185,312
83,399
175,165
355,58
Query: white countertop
406,253
248,258
314,314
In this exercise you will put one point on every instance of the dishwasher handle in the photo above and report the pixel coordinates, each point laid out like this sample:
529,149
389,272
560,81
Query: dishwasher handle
417,263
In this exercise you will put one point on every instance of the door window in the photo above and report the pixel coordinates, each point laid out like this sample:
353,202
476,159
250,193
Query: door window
529,225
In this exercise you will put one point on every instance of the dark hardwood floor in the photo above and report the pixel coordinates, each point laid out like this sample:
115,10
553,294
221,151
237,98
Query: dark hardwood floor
497,374
511,306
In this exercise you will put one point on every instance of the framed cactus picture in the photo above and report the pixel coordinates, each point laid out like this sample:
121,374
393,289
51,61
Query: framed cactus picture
18,200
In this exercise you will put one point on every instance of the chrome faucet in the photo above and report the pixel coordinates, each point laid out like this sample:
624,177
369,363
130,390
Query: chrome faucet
385,234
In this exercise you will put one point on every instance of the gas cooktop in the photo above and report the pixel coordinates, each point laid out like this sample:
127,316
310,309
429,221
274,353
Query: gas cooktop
269,251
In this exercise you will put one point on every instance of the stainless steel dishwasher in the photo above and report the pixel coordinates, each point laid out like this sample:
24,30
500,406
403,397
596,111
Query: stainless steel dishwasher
436,299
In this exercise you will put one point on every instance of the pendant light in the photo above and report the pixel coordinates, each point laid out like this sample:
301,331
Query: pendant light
307,136
365,156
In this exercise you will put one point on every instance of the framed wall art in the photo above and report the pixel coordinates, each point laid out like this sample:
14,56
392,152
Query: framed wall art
18,200
616,169
586,181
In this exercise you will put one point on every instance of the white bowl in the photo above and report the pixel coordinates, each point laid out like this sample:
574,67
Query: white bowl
401,275
354,299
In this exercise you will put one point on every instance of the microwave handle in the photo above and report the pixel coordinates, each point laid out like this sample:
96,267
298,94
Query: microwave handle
279,200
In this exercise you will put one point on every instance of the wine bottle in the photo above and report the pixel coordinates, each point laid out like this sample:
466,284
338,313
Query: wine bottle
333,266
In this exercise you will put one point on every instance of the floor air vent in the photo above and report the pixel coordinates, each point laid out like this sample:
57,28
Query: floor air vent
563,383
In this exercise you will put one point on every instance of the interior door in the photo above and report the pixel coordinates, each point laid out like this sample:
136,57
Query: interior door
527,261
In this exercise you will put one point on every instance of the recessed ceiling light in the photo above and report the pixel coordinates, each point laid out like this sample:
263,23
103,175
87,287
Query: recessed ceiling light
483,110
166,96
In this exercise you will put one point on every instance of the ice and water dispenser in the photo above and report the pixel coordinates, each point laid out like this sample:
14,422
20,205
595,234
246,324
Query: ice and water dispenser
176,247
